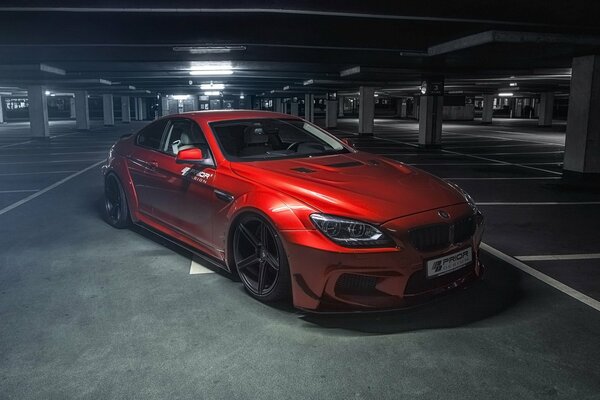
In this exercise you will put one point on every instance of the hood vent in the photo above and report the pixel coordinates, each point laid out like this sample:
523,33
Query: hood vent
345,164
303,170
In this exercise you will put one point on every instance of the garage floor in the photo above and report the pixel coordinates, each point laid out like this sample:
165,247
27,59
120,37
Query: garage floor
87,311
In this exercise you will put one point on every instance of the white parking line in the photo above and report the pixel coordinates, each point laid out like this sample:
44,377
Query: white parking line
37,173
19,191
540,203
595,304
559,257
47,189
197,268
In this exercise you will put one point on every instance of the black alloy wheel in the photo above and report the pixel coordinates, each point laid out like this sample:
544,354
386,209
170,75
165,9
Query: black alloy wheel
115,203
260,259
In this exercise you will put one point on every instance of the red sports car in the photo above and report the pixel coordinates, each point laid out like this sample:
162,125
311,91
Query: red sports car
294,211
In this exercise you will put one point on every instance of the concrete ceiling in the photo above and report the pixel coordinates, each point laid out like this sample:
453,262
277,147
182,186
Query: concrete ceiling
150,47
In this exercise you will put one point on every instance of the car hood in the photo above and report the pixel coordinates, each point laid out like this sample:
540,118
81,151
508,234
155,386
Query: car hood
359,185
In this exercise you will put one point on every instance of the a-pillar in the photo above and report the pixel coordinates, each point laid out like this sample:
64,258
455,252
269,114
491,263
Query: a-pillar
125,110
331,113
309,107
38,111
488,109
108,109
583,122
430,120
366,110
340,106
82,111
294,108
545,107
72,107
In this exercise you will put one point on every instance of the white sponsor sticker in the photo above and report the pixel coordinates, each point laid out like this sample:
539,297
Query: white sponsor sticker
451,262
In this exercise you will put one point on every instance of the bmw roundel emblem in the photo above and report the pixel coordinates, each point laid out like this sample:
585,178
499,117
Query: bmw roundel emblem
443,214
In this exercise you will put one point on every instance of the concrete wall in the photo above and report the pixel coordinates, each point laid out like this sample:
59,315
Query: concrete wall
459,113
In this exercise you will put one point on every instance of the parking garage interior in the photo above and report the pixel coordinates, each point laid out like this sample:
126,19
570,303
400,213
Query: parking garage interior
502,99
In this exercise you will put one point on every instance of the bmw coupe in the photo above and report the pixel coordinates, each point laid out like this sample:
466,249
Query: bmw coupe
293,211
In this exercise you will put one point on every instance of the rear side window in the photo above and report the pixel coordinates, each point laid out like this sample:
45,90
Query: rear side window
151,135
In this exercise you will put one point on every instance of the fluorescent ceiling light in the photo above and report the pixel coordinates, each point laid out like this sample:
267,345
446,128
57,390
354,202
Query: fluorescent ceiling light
209,86
180,96
211,68
47,93
209,49
212,93
241,97
505,94
308,82
350,71
513,84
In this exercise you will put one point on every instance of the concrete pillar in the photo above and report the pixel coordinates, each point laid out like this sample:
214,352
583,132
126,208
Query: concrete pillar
164,106
294,108
277,106
340,106
309,107
488,109
125,110
195,106
403,107
546,107
136,112
582,151
108,109
82,111
38,111
1,110
430,120
72,108
141,109
331,109
366,110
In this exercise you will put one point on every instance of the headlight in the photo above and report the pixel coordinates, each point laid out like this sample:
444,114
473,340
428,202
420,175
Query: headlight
350,233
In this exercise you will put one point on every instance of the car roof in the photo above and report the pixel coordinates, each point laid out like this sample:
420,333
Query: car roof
227,115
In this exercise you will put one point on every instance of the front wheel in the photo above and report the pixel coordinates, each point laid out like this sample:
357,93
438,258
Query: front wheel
115,203
260,259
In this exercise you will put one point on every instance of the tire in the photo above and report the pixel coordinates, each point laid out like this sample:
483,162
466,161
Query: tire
116,211
260,259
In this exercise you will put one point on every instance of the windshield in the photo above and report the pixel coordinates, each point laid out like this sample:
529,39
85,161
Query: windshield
261,139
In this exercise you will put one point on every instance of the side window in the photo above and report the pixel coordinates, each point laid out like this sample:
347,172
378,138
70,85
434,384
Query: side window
182,132
151,135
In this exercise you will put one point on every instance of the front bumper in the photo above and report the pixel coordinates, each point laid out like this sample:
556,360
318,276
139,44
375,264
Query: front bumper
327,277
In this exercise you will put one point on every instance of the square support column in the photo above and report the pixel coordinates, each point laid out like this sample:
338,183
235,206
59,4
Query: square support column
546,108
366,110
82,111
331,113
141,108
430,121
340,106
309,107
164,102
72,108
277,105
108,109
38,111
294,108
125,110
488,109
582,151
1,110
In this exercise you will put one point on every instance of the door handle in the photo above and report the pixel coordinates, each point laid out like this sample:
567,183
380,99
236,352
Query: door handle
152,164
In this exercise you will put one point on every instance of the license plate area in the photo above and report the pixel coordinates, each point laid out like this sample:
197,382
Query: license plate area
448,263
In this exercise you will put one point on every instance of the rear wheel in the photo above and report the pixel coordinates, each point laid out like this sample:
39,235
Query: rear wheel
115,203
260,259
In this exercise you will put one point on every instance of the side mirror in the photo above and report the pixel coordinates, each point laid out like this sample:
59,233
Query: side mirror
193,155
348,142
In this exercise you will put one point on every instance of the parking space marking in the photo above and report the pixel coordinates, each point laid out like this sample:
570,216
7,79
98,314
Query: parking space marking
577,295
500,178
37,173
18,191
48,188
540,203
197,268
560,257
